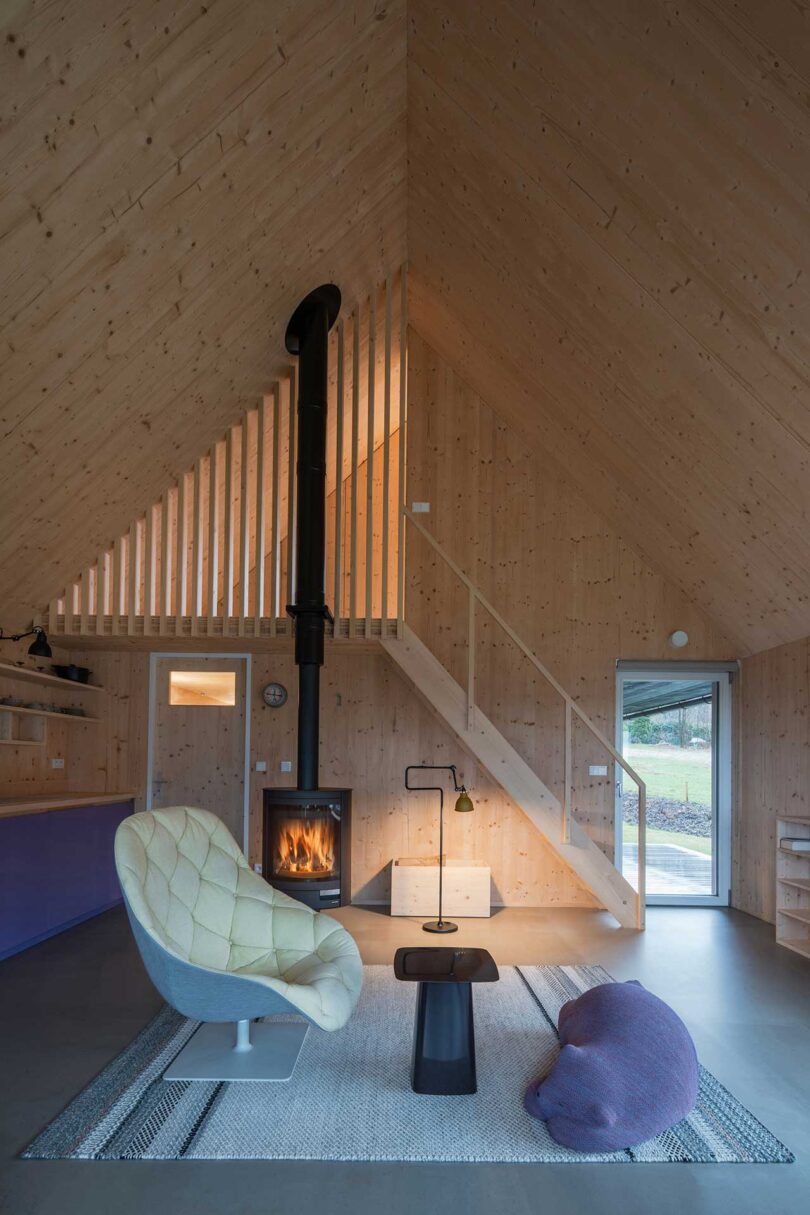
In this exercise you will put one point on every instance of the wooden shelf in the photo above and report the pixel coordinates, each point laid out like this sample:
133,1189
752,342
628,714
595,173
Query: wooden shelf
799,883
793,886
22,742
21,709
801,946
10,671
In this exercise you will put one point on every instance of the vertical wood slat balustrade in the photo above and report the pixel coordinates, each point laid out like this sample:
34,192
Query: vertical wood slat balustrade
337,601
403,445
275,524
215,555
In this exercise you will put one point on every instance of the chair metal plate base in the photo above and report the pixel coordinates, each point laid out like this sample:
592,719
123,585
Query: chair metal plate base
210,1053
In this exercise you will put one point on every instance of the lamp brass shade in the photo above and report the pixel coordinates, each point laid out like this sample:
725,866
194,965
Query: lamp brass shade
464,802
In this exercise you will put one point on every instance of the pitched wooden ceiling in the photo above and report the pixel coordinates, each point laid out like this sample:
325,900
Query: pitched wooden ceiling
606,227
608,233
175,177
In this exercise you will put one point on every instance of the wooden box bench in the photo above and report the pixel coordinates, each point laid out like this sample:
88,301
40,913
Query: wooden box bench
415,887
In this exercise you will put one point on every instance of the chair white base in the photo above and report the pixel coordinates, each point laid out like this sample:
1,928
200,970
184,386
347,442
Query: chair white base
260,1051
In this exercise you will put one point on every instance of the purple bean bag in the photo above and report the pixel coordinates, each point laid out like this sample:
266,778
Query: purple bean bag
627,1070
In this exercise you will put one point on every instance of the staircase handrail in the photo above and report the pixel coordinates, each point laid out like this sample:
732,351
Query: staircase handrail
571,707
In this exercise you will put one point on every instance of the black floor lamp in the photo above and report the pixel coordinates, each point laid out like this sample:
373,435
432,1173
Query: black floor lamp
463,806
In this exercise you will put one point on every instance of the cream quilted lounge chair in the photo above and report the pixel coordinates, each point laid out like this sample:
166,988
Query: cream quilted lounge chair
221,945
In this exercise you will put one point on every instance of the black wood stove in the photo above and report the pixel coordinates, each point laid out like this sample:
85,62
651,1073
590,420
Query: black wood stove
306,845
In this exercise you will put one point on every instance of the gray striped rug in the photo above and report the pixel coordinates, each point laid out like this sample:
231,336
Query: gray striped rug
350,1096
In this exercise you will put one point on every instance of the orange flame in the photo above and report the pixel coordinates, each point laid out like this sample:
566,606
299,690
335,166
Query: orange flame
304,848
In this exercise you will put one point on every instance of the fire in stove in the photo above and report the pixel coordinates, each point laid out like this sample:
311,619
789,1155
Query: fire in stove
304,848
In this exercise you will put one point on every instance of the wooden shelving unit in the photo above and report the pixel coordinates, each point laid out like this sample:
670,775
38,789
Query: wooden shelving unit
24,711
23,726
793,887
21,730
8,670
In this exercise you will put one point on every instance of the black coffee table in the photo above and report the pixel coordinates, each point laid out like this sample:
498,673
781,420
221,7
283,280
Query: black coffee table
444,1035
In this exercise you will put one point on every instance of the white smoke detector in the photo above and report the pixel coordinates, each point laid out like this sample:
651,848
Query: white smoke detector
679,639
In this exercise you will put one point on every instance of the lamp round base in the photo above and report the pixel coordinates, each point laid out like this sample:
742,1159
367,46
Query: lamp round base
439,926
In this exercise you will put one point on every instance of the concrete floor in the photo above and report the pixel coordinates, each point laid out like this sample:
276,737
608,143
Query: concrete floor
71,1004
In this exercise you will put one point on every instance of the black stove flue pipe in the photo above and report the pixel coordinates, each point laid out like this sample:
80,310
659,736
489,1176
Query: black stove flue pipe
308,337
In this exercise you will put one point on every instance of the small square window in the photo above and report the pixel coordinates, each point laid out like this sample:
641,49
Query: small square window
212,689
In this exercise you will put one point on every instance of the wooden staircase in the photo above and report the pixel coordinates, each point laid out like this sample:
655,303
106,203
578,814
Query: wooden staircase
437,688
456,706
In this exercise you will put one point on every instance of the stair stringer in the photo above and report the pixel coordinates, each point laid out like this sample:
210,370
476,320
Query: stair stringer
485,743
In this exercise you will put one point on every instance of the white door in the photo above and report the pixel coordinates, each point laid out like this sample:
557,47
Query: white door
198,739
674,729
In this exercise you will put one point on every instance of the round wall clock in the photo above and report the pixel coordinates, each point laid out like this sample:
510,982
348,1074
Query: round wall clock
274,695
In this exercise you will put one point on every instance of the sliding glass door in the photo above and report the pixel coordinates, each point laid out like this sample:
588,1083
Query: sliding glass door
674,729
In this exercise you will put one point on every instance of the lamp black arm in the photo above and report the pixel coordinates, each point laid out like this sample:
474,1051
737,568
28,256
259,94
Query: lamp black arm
432,768
39,647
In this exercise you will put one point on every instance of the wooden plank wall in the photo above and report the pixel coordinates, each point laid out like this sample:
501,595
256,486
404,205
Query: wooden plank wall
569,585
562,577
98,757
607,211
166,203
774,767
372,726
119,759
25,770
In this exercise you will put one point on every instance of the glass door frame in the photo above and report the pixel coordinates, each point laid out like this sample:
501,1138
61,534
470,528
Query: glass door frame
721,674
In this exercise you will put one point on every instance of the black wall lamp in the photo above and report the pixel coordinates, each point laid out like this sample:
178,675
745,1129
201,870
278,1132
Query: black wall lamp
38,648
463,806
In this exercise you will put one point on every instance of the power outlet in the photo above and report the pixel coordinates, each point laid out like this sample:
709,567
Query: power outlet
57,762
257,868
420,508
261,765
285,765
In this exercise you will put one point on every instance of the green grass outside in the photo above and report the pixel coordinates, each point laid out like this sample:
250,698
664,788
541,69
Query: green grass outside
698,843
672,772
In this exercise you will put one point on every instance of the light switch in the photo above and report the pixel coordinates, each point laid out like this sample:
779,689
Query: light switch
261,765
286,765
257,868
420,508
598,770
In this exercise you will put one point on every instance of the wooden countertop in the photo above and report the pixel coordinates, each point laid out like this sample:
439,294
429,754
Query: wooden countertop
11,807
